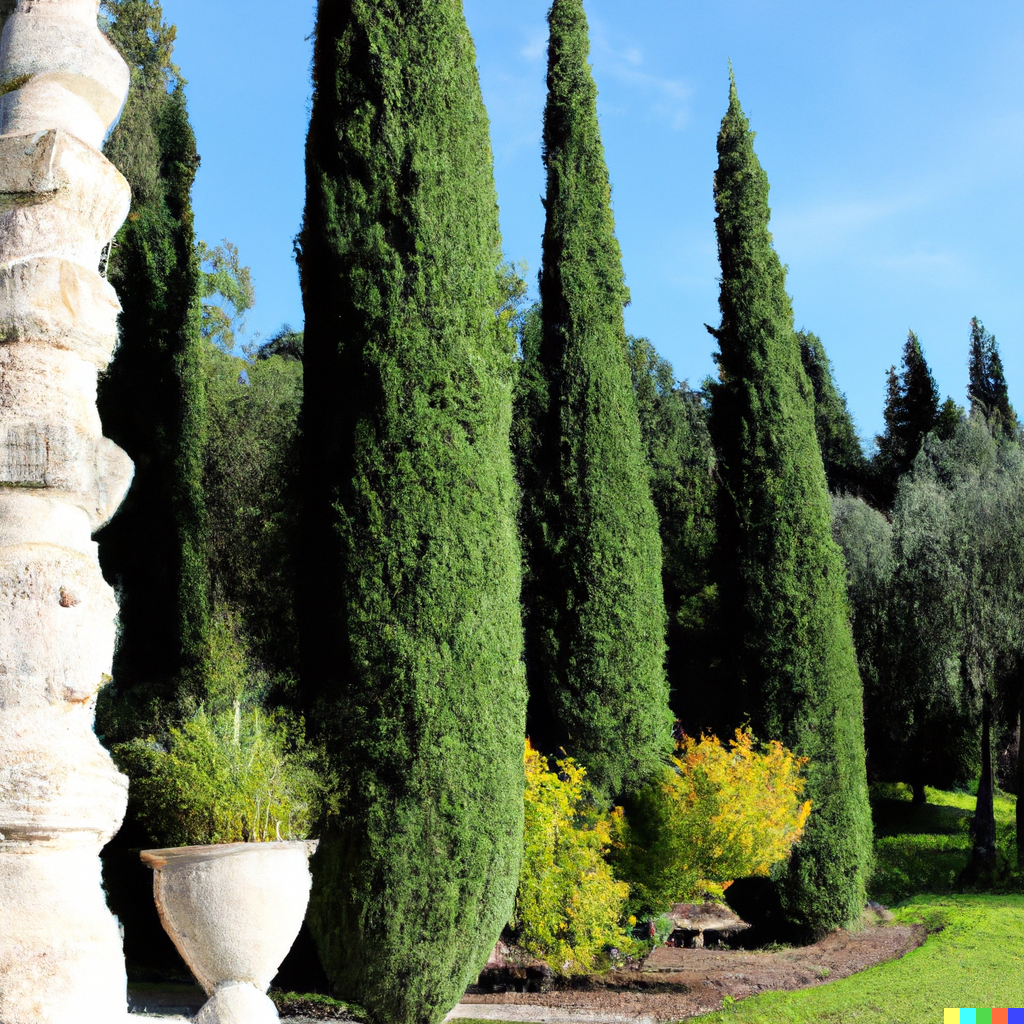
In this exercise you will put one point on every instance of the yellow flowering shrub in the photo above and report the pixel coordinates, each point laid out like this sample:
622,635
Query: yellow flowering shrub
716,814
569,907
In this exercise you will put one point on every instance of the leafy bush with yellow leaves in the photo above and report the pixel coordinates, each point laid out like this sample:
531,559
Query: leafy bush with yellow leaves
570,907
714,815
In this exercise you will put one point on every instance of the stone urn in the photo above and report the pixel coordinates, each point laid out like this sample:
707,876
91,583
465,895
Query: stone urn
233,911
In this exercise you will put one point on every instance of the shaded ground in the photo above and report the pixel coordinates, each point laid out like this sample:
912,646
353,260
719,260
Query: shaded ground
677,983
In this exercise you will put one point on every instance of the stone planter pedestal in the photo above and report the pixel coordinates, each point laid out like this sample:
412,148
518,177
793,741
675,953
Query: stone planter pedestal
233,911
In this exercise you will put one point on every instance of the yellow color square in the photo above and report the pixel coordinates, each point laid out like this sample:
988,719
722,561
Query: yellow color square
951,1016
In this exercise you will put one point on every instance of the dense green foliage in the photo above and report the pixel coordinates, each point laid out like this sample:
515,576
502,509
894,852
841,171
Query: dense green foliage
674,428
780,575
596,610
986,386
251,480
409,611
973,940
937,611
152,398
911,411
846,469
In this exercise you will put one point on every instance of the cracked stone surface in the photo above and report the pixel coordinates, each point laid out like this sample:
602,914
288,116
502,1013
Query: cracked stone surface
61,799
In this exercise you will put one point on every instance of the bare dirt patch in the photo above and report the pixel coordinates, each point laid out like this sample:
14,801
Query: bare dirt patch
673,984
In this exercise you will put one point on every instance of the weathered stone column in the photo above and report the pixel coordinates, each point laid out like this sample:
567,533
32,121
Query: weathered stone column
61,798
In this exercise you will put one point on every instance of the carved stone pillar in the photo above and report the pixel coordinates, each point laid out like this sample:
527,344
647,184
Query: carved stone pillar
61,799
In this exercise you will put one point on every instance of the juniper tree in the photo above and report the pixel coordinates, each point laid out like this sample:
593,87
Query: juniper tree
152,399
780,574
409,595
596,612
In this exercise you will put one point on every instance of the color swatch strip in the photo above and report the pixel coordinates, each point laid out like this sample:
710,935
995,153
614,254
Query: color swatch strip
986,1016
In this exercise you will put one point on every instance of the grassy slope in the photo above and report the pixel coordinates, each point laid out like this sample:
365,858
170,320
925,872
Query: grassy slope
975,957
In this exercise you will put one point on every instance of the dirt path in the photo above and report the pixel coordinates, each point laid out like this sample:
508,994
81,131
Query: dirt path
672,985
678,983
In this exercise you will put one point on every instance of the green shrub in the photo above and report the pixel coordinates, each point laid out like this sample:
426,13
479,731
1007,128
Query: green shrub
569,907
224,777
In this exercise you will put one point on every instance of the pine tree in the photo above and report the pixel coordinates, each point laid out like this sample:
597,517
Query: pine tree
410,625
781,576
987,382
597,614
846,469
911,411
152,399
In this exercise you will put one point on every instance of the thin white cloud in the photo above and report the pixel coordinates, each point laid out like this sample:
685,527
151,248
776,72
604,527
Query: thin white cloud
666,99
830,223
536,46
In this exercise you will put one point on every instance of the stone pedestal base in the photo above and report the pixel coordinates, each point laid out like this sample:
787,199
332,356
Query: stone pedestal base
61,959
238,1003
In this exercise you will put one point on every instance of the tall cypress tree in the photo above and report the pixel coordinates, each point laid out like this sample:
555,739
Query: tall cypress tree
152,398
409,602
911,411
781,576
986,386
596,610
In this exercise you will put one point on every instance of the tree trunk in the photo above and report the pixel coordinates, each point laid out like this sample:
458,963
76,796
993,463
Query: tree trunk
984,853
920,797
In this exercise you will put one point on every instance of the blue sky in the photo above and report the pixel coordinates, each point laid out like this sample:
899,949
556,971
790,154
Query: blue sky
892,135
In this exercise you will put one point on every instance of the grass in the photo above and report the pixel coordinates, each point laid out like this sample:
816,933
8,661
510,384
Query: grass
975,954
315,1006
924,847
975,958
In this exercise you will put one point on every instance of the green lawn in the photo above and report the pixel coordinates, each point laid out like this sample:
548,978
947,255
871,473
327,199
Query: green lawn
975,956
923,848
977,959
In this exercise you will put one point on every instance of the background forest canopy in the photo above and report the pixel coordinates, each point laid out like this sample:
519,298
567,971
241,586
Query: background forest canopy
715,556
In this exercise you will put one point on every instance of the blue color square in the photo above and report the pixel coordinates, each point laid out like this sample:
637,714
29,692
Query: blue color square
1014,1016
968,1016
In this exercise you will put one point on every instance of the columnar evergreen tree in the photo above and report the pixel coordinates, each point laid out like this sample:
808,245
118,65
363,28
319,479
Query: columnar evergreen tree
987,382
846,469
596,611
409,598
152,398
780,575
911,411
